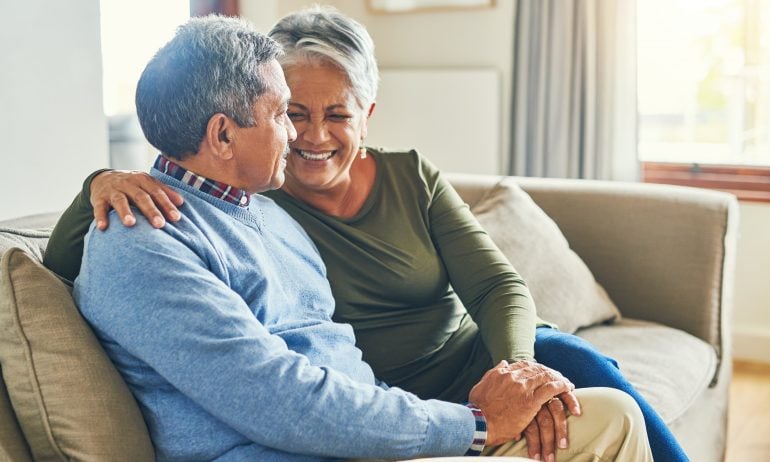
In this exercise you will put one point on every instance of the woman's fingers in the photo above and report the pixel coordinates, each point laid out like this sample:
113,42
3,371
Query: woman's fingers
532,434
559,414
570,400
165,199
175,197
101,209
147,205
121,189
119,202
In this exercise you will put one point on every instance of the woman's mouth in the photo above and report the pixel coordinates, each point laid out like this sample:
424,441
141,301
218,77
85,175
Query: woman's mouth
317,156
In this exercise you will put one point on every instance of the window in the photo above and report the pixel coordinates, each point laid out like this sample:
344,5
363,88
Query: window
131,32
704,94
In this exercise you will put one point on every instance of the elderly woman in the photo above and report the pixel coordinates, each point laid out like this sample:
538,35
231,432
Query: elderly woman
433,303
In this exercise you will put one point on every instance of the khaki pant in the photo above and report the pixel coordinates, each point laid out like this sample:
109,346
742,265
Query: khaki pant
611,428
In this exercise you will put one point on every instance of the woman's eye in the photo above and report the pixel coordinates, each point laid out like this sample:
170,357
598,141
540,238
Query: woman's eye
295,116
339,117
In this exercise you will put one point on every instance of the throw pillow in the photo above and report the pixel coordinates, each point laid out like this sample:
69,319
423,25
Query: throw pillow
564,290
12,444
71,403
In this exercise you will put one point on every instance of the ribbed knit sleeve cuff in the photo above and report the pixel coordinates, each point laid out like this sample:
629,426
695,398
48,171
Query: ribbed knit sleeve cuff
480,435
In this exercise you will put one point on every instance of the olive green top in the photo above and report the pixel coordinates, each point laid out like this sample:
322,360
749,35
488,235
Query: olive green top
64,250
413,272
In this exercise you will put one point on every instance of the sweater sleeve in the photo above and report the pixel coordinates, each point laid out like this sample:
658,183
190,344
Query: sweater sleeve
203,339
494,294
65,247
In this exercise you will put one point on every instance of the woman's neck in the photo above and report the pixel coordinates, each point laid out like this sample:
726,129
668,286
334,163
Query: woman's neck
344,200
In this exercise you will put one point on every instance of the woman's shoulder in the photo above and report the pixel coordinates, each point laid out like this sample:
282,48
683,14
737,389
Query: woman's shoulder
393,155
410,160
407,167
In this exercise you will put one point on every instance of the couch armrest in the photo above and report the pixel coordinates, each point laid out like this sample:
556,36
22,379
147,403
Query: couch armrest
663,253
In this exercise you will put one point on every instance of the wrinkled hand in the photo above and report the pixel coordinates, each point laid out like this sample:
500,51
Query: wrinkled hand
549,428
512,395
119,188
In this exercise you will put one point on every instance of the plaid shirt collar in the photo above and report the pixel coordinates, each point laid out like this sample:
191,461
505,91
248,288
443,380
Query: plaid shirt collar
215,188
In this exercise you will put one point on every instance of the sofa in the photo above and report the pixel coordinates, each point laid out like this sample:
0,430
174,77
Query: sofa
657,260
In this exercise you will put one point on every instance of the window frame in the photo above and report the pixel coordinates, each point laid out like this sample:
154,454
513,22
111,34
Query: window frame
750,183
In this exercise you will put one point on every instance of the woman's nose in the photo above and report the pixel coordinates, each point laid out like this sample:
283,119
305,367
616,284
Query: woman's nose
315,132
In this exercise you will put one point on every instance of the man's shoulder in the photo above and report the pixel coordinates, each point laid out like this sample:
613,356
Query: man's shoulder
272,205
120,245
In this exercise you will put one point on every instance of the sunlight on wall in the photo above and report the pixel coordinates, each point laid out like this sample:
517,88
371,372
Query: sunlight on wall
131,33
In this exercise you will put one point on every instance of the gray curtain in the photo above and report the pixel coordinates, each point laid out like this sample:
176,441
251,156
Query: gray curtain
574,108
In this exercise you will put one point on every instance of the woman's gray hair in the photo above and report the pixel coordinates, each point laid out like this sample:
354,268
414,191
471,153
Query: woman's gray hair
322,34
212,65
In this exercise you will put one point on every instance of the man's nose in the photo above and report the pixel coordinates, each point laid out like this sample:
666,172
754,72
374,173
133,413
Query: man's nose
291,131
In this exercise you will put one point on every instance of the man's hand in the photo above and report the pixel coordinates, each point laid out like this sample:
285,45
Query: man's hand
119,188
512,395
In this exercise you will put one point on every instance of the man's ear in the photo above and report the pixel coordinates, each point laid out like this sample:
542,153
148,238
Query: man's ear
371,109
219,135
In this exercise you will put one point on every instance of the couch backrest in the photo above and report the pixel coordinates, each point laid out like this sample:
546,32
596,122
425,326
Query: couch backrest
663,253
29,233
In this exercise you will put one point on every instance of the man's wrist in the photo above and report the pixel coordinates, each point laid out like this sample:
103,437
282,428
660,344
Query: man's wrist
480,434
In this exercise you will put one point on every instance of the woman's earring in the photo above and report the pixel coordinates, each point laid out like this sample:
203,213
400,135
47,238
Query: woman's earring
362,152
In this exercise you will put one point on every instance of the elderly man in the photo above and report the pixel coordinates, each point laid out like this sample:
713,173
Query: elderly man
220,323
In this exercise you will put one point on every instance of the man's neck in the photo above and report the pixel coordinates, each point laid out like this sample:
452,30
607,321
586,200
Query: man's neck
203,166
187,173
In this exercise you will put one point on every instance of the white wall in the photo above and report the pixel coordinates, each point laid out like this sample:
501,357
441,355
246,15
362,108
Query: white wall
414,112
460,39
52,124
263,13
751,323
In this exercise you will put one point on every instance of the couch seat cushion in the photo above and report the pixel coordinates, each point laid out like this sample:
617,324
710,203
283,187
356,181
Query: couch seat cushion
563,288
671,374
70,402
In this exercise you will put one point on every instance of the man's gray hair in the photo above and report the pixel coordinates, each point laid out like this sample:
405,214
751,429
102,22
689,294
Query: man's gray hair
212,65
322,34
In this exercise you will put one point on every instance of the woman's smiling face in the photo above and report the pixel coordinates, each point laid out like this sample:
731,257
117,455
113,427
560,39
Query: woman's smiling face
330,125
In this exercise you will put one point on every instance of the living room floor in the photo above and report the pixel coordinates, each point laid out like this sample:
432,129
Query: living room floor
749,424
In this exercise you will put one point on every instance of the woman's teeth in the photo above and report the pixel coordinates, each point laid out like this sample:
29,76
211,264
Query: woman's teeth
315,156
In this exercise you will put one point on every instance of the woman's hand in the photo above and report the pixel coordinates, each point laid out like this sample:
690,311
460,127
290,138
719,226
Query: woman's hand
119,188
548,430
511,397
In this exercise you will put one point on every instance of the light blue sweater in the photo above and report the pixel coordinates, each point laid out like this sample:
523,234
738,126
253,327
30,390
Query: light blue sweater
221,326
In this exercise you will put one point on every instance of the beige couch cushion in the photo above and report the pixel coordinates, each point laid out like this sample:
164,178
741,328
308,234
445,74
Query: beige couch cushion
672,374
564,290
69,400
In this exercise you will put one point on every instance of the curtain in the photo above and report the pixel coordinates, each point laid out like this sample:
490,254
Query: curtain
574,108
